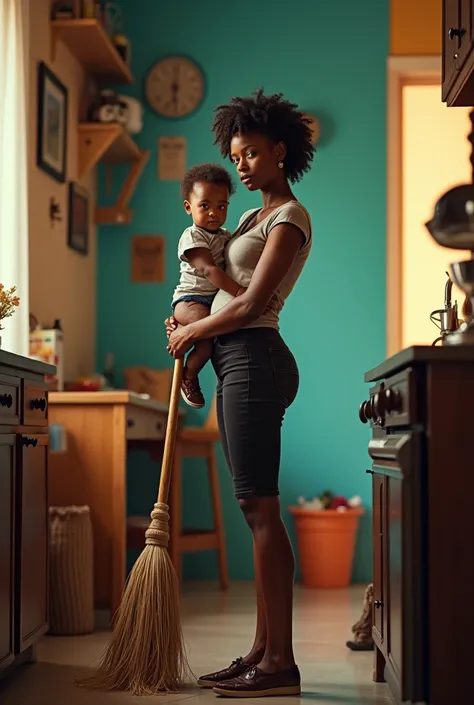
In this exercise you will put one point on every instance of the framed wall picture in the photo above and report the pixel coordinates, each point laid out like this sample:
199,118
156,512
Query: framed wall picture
52,124
78,221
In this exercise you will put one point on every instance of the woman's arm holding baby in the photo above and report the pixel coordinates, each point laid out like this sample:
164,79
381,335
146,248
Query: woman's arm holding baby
275,261
201,259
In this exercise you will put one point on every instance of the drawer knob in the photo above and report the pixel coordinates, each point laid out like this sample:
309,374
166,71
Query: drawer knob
366,411
393,400
6,400
362,413
38,404
453,33
130,423
159,426
379,404
370,472
30,442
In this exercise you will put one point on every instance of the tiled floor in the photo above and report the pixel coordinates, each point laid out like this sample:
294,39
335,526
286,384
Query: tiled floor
219,627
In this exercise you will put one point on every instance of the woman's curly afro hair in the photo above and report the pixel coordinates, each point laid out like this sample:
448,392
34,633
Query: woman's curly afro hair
272,116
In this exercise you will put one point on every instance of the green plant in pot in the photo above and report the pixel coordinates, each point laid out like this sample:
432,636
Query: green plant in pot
8,303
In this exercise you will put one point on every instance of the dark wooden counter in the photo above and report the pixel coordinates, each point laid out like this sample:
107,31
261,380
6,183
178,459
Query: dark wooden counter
420,411
420,354
24,525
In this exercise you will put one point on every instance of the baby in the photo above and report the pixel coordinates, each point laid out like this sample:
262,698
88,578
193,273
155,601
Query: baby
205,189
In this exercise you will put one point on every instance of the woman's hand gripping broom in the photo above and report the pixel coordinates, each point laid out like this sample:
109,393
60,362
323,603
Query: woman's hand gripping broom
146,654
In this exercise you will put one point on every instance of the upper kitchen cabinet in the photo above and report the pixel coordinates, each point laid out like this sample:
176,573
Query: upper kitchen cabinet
458,53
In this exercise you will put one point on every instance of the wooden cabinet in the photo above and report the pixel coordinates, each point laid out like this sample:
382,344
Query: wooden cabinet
9,400
419,410
32,532
458,52
24,524
7,547
379,505
394,587
35,404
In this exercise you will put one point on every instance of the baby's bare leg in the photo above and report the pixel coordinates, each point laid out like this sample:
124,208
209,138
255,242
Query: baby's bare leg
189,312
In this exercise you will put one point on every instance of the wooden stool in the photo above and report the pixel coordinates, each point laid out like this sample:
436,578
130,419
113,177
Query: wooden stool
191,443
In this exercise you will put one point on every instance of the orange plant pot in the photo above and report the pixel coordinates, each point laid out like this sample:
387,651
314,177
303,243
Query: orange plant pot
326,541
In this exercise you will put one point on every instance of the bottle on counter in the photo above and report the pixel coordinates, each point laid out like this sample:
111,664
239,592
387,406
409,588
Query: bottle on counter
109,372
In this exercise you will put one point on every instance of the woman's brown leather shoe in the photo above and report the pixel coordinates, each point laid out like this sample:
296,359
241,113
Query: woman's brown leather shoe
236,668
254,683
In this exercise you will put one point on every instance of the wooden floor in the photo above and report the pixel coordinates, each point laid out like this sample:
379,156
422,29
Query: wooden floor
219,627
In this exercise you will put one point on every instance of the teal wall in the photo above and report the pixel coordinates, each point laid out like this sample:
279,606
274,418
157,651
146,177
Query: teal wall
329,57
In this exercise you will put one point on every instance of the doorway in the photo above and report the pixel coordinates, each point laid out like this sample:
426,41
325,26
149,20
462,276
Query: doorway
428,153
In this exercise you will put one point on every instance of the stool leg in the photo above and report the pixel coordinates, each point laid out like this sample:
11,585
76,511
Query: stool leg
218,521
175,513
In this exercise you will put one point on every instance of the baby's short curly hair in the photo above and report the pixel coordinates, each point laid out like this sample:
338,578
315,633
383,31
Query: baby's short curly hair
272,116
211,174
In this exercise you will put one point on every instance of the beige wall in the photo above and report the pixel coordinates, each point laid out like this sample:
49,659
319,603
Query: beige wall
62,282
415,27
435,158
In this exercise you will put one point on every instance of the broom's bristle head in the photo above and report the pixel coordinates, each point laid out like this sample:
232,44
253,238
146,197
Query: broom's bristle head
146,654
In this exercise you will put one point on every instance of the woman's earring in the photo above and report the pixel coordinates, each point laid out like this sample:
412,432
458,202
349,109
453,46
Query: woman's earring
280,165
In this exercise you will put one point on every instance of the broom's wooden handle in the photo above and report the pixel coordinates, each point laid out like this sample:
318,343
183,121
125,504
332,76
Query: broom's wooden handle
171,432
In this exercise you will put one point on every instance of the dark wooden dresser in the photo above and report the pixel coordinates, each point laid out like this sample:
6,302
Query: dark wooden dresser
24,524
421,410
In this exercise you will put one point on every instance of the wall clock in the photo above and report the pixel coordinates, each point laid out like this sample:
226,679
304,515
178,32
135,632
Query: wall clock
174,87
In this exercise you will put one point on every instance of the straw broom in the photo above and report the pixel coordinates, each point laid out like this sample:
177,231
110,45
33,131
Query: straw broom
146,654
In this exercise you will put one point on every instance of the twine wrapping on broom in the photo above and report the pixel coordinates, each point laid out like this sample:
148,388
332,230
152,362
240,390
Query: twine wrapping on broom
157,533
146,654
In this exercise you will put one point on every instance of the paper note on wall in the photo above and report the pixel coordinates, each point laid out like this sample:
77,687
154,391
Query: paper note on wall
148,258
171,158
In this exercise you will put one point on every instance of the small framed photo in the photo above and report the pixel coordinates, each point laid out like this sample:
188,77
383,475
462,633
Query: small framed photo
78,225
52,124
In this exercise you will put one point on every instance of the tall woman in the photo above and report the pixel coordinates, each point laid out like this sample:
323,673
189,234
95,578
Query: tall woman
269,141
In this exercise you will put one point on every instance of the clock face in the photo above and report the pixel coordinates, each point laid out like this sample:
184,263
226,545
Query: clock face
175,87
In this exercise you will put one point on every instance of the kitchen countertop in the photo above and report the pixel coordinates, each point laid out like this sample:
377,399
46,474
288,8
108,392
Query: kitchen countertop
420,354
112,396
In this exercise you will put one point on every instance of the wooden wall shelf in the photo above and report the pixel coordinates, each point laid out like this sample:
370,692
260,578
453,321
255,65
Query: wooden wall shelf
111,144
104,142
93,48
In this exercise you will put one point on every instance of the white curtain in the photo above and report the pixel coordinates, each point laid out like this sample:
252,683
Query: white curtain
14,168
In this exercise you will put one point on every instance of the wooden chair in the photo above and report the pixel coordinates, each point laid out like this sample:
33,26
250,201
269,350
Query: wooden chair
191,443
198,443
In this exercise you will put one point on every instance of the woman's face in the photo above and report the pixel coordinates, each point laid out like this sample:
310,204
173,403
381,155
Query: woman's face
256,158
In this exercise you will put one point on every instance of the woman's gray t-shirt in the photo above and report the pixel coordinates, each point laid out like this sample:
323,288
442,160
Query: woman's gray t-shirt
245,248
